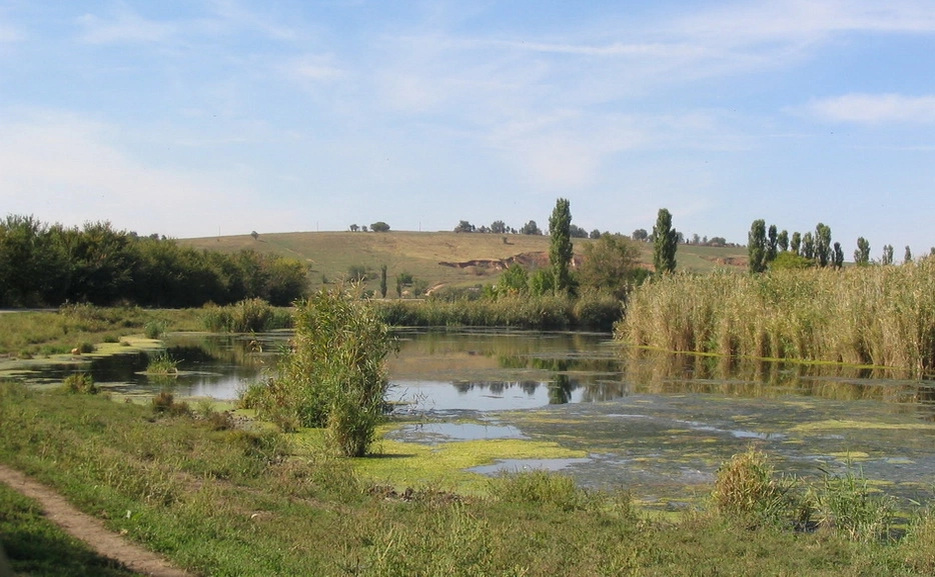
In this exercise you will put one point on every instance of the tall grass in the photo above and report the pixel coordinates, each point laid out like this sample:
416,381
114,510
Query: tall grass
591,311
880,315
249,315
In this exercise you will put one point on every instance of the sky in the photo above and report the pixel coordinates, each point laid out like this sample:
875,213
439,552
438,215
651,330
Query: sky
194,118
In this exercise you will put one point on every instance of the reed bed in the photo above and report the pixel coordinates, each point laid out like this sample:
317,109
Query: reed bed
878,315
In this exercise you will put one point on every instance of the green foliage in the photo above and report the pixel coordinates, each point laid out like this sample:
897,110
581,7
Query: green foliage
665,243
464,226
846,504
154,329
560,247
862,254
250,315
887,255
756,247
380,226
541,489
161,363
542,282
334,374
47,266
795,244
745,488
514,281
790,260
80,383
383,281
823,248
610,264
530,228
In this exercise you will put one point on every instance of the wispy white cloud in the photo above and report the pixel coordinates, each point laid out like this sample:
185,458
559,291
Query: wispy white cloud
317,68
875,109
63,168
125,27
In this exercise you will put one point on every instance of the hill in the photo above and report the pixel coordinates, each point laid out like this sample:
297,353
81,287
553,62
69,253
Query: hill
435,258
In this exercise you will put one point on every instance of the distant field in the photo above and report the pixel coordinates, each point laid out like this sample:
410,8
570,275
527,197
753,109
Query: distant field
332,254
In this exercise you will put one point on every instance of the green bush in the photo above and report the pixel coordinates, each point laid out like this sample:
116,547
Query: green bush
746,489
250,315
846,504
333,376
80,383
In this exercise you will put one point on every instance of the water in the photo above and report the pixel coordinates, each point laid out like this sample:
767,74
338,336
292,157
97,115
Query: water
657,424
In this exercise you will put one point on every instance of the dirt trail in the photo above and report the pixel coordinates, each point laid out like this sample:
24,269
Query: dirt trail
89,529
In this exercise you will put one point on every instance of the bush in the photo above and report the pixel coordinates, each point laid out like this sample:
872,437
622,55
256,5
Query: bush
333,376
80,383
745,488
154,329
250,315
165,402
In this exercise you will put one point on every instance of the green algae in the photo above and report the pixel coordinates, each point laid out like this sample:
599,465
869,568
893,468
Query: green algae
836,424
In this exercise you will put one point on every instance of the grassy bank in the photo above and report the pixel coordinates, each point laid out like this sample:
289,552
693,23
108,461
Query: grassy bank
229,501
877,315
35,333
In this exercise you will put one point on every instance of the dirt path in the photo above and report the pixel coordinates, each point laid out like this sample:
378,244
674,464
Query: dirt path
90,530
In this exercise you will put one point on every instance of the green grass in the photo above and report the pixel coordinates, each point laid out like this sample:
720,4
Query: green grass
257,502
37,547
30,334
332,254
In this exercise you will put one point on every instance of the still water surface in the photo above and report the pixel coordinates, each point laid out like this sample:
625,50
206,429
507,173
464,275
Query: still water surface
656,423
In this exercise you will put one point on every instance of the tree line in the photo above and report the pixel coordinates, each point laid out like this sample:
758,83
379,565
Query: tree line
48,265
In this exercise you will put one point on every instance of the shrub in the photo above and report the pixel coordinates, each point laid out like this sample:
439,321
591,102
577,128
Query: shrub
162,364
745,488
250,315
80,383
165,402
333,376
154,329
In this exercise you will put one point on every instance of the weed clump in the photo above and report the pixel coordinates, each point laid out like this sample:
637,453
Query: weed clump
249,315
80,383
846,504
541,488
745,488
165,403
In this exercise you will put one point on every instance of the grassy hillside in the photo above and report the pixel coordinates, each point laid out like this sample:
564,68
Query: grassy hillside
421,254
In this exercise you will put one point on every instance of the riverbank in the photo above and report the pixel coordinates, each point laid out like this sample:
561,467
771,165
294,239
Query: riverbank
248,501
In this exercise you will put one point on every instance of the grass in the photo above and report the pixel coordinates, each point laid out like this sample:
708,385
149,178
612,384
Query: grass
37,547
877,315
257,502
36,333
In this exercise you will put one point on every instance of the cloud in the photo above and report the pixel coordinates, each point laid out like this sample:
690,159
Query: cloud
875,109
68,169
125,27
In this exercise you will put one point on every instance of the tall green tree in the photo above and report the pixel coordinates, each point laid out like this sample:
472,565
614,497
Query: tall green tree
560,247
795,244
772,245
383,281
862,254
783,241
823,248
808,246
838,258
756,246
907,256
665,243
887,254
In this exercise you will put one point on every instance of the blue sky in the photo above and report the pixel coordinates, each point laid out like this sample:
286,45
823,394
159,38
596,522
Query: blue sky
199,117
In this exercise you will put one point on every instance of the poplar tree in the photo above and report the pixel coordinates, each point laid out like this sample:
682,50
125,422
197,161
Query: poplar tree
665,243
862,254
756,246
560,248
